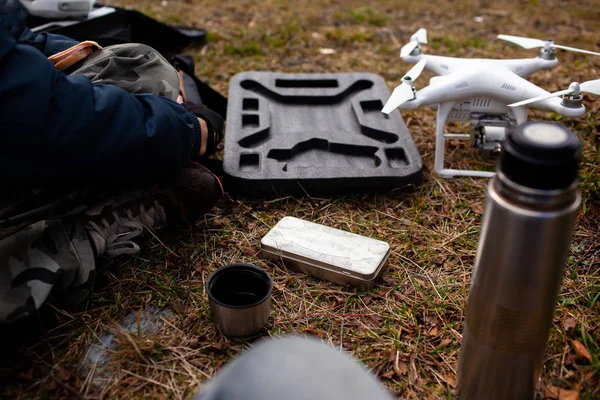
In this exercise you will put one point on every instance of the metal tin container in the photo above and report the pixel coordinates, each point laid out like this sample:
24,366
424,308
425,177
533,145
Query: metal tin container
326,253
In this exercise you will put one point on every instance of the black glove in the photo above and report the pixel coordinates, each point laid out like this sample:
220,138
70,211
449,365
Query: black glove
214,122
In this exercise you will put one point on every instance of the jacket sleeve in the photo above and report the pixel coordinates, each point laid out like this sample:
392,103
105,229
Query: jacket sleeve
48,43
54,125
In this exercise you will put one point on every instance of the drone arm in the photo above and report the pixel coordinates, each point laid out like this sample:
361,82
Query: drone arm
424,97
412,104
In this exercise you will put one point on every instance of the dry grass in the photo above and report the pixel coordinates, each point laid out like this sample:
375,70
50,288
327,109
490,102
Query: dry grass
408,329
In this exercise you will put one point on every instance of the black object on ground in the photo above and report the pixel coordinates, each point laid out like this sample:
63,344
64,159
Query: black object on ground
122,26
240,298
315,133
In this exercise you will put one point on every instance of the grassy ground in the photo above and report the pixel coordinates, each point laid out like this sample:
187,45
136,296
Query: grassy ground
408,329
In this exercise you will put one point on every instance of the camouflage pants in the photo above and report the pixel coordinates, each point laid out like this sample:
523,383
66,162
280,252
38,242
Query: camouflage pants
52,260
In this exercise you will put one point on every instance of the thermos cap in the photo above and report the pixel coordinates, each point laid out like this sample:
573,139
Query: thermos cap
541,155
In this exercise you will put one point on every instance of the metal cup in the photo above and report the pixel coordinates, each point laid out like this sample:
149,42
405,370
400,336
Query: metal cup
239,296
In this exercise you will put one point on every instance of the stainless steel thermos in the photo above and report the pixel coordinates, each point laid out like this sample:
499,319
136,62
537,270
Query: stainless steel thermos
527,226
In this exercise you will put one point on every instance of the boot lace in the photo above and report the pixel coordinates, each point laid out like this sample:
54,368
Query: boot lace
118,235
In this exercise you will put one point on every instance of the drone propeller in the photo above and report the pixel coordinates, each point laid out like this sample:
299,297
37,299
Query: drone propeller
575,88
404,91
529,43
417,38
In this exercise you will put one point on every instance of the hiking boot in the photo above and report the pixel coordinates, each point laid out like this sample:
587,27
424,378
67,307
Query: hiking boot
113,224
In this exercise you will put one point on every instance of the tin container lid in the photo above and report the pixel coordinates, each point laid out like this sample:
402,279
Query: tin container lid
328,247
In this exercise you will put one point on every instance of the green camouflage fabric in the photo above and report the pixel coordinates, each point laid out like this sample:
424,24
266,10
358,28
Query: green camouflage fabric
51,259
134,67
46,260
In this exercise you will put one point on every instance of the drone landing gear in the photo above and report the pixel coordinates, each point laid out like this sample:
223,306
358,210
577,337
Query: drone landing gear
440,147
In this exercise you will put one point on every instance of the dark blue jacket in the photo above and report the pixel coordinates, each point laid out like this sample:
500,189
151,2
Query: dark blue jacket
58,126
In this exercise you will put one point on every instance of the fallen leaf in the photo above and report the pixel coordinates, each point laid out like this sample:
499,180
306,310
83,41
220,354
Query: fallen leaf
314,332
194,343
569,324
428,223
389,374
318,36
222,221
413,375
336,299
554,392
434,331
376,319
477,209
569,359
391,356
421,282
581,350
445,342
400,297
416,238
401,368
220,346
589,375
431,320
451,380
251,251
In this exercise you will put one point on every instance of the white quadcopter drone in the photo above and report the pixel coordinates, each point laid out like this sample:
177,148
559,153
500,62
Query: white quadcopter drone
61,11
53,9
490,93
